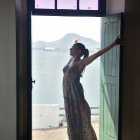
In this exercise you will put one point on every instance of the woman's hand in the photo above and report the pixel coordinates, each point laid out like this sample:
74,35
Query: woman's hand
120,40
75,40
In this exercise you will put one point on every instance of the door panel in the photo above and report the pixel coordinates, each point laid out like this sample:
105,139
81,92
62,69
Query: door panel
109,98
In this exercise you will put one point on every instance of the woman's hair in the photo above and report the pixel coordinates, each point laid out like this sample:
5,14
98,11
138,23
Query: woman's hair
84,51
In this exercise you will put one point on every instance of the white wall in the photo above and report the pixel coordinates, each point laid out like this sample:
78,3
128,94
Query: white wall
45,116
7,70
115,6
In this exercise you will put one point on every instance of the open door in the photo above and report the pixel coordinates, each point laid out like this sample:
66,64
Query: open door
110,73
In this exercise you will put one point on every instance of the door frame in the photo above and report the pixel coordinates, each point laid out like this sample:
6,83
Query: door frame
23,68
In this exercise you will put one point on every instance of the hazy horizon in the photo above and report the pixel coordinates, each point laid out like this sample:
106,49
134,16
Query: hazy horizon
51,28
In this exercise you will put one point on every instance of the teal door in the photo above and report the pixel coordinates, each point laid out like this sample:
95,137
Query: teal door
109,89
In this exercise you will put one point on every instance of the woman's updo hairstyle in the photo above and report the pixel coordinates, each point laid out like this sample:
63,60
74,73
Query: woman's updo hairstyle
84,51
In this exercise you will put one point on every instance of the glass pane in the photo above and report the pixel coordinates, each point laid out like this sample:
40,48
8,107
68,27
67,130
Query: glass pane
66,4
88,5
44,4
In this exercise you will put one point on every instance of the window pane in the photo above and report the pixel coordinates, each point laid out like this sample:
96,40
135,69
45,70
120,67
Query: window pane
88,5
66,4
44,4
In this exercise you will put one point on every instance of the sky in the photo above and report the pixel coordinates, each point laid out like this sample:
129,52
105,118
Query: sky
51,28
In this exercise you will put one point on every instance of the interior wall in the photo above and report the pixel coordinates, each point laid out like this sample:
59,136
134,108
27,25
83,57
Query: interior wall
7,70
114,6
131,73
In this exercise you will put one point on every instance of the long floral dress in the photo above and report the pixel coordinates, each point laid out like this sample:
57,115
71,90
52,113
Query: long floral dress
77,110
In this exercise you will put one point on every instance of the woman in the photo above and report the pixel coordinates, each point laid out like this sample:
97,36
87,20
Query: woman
77,110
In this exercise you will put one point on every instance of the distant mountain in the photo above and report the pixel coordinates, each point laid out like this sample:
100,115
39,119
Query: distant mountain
65,43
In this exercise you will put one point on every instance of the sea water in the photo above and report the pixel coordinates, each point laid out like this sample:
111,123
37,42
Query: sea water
47,71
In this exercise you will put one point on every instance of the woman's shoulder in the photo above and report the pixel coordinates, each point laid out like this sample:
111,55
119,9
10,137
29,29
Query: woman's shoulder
83,62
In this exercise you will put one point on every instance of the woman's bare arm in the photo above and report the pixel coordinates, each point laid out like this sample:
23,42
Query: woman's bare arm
86,61
92,57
